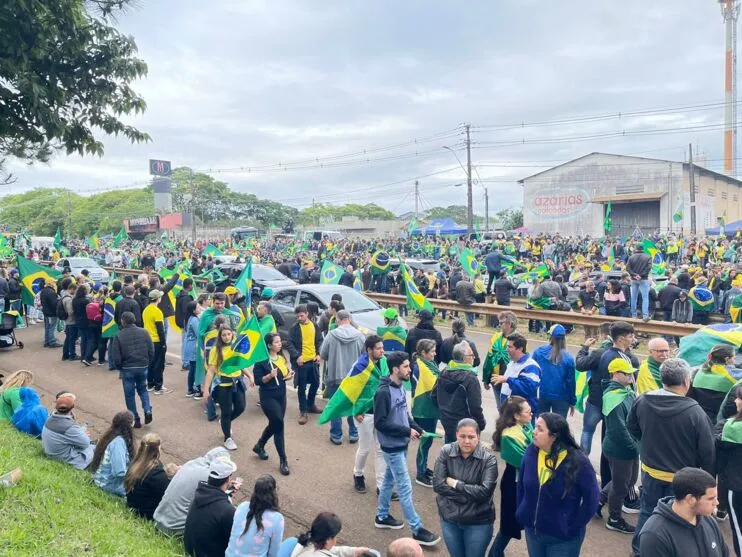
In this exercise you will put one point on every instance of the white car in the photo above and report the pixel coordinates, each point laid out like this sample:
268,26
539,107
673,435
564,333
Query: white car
78,264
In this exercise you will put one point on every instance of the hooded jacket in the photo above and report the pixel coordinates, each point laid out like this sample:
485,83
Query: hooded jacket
470,502
392,421
458,395
340,349
673,432
209,522
64,440
424,329
618,443
666,534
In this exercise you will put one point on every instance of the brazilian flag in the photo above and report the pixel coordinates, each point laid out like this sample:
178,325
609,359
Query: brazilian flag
355,394
469,262
415,299
735,310
694,348
212,250
247,349
33,276
394,338
701,298
357,282
109,329
380,262
425,376
330,273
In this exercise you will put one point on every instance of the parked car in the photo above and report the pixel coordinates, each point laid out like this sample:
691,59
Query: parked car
365,312
423,264
78,264
262,277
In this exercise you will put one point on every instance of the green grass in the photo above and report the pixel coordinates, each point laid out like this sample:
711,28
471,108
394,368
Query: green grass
57,510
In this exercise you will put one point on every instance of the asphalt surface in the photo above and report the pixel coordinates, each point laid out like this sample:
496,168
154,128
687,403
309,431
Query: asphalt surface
321,473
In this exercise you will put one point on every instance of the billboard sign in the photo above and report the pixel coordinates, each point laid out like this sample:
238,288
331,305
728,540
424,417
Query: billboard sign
562,204
160,168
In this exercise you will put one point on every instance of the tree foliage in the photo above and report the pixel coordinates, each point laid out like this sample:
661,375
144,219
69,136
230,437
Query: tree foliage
325,213
510,219
64,75
457,213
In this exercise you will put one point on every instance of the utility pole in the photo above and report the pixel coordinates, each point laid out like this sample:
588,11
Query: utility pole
692,180
469,200
486,211
417,197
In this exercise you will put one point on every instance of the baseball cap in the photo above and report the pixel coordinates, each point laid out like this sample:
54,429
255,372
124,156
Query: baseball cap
391,313
557,331
216,453
155,294
222,468
620,365
267,292
64,402
229,290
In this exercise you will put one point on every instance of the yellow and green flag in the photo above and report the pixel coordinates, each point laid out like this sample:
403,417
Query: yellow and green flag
380,262
424,376
212,250
355,395
330,273
469,262
33,276
109,329
694,348
415,300
247,349
120,237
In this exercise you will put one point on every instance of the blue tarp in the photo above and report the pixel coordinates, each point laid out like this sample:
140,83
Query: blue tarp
730,228
440,226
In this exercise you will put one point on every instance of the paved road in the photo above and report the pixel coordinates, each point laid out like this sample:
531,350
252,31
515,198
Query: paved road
321,477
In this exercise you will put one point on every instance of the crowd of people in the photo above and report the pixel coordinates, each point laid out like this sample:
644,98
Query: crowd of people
675,426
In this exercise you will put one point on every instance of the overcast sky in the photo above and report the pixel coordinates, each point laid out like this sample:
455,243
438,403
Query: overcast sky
355,99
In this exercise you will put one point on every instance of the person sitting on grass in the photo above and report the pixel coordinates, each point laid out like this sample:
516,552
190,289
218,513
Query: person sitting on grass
146,480
62,438
113,453
10,397
321,539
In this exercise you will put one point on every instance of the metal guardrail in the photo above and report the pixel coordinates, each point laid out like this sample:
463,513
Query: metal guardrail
571,317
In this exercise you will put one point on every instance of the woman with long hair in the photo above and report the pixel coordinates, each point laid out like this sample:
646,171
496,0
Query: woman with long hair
321,539
10,393
458,334
271,375
146,480
257,527
728,458
190,340
614,299
557,388
230,388
94,313
113,453
424,376
714,379
79,305
558,492
464,480
513,434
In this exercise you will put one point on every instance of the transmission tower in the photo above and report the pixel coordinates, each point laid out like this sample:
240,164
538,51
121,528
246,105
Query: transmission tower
730,12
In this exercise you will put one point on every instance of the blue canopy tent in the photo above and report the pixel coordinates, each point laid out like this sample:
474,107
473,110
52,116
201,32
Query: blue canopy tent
442,227
729,229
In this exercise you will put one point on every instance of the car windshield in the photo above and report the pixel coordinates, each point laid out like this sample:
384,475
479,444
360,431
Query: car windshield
82,262
266,273
353,301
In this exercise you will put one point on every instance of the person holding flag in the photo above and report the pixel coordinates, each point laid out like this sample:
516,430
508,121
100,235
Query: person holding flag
271,376
229,389
424,409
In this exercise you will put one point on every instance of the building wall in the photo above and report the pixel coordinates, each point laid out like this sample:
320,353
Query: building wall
561,199
714,197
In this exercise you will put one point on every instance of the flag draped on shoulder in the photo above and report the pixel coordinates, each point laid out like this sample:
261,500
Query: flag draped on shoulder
648,378
33,276
109,329
247,349
424,377
380,262
355,394
330,273
415,300
394,337
497,355
469,262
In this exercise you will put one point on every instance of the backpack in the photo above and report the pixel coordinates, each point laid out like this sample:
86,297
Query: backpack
61,311
92,310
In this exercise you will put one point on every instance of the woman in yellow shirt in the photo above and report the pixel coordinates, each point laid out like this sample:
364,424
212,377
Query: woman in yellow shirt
226,384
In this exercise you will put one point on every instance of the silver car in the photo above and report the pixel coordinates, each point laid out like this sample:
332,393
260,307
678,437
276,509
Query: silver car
78,264
365,312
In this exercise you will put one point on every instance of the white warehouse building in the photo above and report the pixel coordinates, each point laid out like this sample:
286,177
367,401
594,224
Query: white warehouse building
572,198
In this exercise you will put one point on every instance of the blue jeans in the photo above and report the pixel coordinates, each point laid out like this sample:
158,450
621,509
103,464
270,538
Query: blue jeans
70,338
643,286
396,474
548,405
590,422
469,318
287,547
336,425
84,338
466,540
190,387
135,380
50,330
652,491
421,460
183,361
548,546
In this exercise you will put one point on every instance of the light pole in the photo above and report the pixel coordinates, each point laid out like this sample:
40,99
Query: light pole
469,204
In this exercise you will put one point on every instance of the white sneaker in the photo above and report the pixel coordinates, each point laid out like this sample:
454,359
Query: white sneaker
230,444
